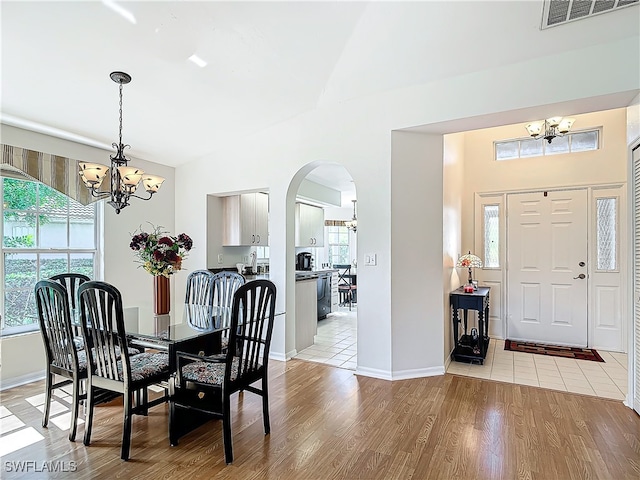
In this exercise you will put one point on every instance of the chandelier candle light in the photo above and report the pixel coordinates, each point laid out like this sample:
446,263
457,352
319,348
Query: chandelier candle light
471,261
124,179
353,223
550,128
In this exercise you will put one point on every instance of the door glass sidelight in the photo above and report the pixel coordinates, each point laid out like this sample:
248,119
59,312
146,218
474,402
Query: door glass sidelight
606,234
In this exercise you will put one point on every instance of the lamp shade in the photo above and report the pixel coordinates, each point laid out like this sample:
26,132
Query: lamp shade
152,183
92,174
469,260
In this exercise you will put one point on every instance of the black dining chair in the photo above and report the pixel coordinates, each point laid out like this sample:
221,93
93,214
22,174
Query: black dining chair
199,294
204,385
63,358
71,281
225,285
347,286
112,367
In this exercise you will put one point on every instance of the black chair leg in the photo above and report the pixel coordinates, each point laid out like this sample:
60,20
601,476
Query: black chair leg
126,431
47,400
173,424
74,409
226,429
89,414
145,401
265,406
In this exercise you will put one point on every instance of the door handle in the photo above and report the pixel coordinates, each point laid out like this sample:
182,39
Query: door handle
582,276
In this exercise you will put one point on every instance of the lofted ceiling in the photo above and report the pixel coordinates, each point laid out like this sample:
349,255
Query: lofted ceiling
267,62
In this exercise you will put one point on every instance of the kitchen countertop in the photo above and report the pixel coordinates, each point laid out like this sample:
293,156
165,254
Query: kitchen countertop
308,274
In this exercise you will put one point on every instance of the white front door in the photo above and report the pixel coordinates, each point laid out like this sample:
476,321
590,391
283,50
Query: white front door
547,254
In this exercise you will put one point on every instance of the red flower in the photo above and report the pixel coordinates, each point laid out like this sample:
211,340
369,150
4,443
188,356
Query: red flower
165,241
157,255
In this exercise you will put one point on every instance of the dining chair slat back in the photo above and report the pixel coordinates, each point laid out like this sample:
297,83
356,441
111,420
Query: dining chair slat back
226,284
62,357
212,380
71,281
200,284
113,364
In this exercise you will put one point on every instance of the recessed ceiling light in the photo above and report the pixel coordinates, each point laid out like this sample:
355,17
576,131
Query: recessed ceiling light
197,60
120,10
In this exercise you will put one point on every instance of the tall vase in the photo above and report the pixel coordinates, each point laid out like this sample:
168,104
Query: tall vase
161,295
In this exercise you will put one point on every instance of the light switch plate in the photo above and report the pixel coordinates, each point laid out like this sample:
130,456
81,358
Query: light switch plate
219,259
370,260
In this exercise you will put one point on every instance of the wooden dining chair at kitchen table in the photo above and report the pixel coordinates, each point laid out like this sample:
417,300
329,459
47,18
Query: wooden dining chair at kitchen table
63,358
71,281
111,365
204,385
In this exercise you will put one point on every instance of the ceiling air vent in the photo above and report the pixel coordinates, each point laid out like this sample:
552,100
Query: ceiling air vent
557,12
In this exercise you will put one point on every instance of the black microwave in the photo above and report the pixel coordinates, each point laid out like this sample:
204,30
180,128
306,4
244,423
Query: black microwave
304,261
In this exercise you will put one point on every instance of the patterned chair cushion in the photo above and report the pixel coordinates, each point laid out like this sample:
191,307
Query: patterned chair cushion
145,365
210,373
82,356
82,361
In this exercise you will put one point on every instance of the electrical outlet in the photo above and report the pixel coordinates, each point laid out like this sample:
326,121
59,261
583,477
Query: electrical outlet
219,259
245,259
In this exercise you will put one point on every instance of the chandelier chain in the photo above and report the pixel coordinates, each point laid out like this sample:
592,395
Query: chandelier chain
120,130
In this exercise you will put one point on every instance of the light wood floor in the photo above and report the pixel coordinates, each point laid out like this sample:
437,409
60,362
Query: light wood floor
327,423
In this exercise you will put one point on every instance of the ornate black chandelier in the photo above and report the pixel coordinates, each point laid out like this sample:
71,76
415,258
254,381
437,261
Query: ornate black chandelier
124,179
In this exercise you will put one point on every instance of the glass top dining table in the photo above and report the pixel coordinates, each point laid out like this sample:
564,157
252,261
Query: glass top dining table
196,320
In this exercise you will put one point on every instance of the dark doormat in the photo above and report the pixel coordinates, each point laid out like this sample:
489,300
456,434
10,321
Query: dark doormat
553,350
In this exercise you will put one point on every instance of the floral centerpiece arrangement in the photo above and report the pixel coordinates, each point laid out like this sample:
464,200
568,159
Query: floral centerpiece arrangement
160,253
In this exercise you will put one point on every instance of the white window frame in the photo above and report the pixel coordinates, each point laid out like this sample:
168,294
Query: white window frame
544,145
96,251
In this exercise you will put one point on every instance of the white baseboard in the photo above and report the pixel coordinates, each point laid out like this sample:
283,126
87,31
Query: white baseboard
373,372
283,357
418,373
401,374
6,384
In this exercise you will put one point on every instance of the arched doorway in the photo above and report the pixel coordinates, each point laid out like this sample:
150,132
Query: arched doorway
325,252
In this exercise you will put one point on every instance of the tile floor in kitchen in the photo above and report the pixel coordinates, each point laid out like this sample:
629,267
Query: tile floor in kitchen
336,345
335,342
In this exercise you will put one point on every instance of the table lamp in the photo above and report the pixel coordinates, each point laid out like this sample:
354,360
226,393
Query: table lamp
469,260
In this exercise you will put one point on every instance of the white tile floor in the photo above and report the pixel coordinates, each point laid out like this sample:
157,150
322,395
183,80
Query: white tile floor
336,345
606,380
335,342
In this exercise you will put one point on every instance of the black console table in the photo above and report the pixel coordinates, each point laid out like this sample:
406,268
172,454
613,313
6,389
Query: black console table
470,348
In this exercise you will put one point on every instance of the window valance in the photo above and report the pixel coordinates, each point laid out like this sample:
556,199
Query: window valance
59,173
334,223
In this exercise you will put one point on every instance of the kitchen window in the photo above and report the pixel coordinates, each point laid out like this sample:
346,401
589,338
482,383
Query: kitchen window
43,233
338,240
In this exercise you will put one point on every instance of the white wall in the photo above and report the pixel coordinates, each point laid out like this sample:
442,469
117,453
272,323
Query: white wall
119,266
417,327
633,120
453,188
356,134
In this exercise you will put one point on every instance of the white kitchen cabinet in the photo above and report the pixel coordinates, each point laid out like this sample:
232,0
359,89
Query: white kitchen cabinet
306,312
246,220
309,226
